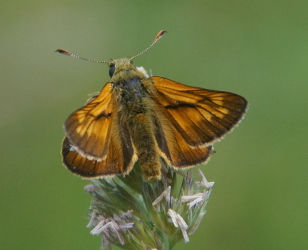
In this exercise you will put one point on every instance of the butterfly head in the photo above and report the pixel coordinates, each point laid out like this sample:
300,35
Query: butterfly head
124,67
118,65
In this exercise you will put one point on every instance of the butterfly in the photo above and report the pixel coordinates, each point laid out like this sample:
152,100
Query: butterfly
146,119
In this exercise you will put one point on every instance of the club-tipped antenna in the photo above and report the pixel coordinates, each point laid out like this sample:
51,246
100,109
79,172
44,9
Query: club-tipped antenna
157,37
66,52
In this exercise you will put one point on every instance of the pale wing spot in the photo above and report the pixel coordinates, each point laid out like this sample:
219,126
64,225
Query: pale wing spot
218,102
80,118
210,113
208,116
72,149
218,99
84,128
78,129
223,110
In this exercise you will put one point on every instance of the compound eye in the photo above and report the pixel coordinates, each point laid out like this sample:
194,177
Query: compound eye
111,70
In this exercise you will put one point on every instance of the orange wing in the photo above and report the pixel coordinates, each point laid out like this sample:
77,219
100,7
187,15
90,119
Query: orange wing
119,160
189,120
173,147
89,128
96,144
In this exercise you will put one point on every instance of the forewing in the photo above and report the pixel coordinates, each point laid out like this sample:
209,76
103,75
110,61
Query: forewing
89,128
199,115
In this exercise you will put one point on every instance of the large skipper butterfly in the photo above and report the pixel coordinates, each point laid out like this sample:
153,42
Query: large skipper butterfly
146,119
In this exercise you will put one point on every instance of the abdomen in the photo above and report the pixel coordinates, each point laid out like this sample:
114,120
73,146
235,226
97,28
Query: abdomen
141,130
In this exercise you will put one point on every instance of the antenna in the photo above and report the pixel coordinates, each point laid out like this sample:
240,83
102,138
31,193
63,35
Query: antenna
66,52
157,37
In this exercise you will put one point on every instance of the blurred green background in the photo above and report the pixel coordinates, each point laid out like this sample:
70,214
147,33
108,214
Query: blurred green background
258,49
